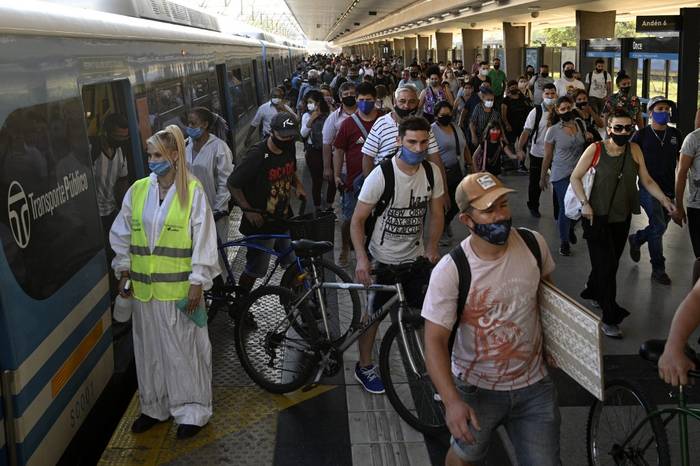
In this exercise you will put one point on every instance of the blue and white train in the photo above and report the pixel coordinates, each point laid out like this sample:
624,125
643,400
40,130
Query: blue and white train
62,70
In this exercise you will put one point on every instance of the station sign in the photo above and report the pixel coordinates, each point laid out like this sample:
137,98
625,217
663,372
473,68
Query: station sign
602,48
658,23
654,48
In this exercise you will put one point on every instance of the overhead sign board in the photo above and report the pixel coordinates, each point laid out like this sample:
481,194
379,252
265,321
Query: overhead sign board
655,48
602,48
658,23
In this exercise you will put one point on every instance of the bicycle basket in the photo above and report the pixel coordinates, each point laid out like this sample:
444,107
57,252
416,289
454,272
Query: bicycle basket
313,226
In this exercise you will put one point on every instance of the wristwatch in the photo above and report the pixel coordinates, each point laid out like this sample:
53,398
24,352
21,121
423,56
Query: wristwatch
583,203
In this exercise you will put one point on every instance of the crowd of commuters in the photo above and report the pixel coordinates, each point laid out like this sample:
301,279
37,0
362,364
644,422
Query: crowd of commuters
435,136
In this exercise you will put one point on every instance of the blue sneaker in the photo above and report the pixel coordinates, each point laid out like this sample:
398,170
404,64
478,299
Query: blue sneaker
369,379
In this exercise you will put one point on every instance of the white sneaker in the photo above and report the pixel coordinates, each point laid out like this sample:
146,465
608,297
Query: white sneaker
611,330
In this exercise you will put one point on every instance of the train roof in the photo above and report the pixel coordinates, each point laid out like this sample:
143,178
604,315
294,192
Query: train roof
41,18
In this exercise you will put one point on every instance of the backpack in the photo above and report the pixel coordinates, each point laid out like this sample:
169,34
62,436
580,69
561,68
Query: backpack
589,80
465,275
536,129
388,194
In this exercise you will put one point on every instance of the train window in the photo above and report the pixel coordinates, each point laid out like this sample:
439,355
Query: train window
51,228
169,97
199,87
240,85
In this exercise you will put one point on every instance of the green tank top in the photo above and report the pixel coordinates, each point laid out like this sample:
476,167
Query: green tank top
626,201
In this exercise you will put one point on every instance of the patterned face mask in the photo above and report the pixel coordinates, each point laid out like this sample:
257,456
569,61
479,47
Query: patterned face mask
494,233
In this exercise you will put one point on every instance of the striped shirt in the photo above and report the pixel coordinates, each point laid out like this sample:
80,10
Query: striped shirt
382,140
107,171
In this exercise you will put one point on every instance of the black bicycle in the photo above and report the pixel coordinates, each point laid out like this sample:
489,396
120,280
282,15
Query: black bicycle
299,335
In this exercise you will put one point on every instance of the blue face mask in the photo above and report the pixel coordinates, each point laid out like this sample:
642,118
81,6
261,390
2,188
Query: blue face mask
160,168
494,233
194,133
410,157
365,106
660,117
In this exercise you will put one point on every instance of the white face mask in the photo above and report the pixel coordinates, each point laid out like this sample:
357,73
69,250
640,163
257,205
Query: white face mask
483,72
275,100
488,103
311,106
548,101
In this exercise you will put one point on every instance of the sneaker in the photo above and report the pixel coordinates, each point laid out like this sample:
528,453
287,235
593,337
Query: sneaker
611,330
572,236
369,379
535,212
187,430
522,169
588,296
565,249
661,278
635,252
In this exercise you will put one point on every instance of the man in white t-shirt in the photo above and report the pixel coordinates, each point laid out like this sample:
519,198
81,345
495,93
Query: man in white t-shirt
549,99
567,84
599,84
398,233
496,374
265,113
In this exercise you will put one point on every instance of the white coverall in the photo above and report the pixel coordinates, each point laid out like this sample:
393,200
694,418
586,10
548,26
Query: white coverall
212,165
173,355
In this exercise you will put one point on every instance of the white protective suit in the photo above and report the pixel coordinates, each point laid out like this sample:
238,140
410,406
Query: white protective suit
212,165
173,355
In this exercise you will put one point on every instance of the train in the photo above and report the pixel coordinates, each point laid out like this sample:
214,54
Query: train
64,67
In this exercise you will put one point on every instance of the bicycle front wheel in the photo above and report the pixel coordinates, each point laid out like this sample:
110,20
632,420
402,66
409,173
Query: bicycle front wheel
343,308
611,425
270,341
410,392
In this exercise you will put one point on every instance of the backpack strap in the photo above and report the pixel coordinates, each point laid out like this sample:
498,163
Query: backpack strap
538,118
465,280
428,174
454,131
359,125
582,127
532,244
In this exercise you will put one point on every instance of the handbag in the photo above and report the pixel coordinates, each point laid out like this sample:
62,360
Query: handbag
572,205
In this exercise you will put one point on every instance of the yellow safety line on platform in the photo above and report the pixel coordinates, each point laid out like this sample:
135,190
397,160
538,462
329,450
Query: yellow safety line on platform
235,409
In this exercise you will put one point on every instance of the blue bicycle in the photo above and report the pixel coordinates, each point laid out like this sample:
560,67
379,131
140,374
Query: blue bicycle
230,297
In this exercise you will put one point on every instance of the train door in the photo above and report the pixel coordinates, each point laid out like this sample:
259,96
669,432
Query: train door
259,85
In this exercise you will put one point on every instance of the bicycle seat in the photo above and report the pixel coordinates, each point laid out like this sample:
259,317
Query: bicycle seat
651,350
308,248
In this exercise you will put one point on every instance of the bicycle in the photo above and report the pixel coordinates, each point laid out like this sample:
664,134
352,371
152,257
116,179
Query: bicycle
644,441
228,294
297,338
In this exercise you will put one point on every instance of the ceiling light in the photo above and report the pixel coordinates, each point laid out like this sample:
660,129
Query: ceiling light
445,15
462,10
490,2
431,18
533,8
420,21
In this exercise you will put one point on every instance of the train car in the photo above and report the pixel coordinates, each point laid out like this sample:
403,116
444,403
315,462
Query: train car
64,71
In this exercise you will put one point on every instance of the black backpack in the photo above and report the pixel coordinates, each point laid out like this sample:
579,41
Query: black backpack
388,194
536,129
589,78
465,274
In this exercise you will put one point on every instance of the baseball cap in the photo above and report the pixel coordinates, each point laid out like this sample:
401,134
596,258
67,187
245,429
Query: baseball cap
480,191
285,124
657,100
486,90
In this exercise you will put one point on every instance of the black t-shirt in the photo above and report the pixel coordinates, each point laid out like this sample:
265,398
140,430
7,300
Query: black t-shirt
518,110
659,158
266,180
384,80
476,83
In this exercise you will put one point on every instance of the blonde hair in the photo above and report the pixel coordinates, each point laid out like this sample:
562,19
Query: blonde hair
167,141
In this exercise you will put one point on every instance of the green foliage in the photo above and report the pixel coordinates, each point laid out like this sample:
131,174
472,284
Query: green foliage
555,37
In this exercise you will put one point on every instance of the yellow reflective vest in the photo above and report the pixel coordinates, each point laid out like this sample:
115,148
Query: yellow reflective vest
163,273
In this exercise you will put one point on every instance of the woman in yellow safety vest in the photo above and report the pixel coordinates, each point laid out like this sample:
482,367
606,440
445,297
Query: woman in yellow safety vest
165,243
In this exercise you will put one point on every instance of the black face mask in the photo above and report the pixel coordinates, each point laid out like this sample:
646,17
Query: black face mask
496,66
414,75
349,101
569,73
581,104
620,139
544,74
283,145
444,120
116,143
404,113
624,90
568,116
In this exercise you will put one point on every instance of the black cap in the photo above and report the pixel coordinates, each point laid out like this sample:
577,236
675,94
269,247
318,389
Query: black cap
285,124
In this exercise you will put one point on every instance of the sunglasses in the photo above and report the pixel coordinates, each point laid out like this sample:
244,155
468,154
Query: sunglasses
621,128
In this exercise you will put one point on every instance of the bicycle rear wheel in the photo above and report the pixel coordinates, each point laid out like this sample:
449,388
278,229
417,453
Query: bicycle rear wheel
272,349
612,422
343,307
411,393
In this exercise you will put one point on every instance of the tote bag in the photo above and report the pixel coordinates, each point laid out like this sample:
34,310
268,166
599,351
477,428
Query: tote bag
572,206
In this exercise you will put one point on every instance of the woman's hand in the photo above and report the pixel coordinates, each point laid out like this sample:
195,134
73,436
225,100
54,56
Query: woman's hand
194,296
587,212
122,283
670,206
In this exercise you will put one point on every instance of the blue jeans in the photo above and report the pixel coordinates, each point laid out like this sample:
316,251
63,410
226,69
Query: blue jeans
530,415
653,234
563,222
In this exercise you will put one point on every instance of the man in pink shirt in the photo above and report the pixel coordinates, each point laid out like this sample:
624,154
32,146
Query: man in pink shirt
497,375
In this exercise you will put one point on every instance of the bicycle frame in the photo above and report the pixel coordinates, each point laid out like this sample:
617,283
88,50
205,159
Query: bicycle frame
682,411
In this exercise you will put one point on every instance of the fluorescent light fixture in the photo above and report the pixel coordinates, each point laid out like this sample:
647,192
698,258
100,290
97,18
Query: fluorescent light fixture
462,10
490,2
420,21
431,18
444,15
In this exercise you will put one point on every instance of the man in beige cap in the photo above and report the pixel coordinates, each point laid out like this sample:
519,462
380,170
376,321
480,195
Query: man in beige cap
498,375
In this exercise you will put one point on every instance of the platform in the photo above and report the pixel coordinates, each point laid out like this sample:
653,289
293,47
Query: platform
340,424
